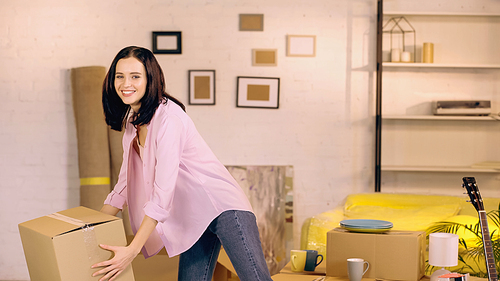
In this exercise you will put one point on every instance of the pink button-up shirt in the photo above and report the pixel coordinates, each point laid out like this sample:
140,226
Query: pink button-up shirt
179,182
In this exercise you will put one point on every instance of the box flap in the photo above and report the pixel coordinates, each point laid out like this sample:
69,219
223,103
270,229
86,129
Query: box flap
87,215
54,225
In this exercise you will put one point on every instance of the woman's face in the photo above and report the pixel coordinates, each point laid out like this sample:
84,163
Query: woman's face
130,81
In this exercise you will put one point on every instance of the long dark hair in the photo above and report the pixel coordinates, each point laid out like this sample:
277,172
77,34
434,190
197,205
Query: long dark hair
115,111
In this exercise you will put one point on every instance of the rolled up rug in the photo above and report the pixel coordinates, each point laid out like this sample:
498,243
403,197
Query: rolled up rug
92,134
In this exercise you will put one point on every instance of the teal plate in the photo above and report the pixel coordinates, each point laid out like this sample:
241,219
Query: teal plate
364,225
367,230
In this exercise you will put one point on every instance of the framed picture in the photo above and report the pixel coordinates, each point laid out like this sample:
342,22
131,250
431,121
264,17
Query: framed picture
251,22
167,42
264,57
258,92
202,87
301,46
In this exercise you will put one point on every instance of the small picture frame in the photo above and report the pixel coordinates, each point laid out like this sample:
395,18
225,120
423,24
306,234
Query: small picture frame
258,92
251,22
167,42
301,46
201,87
264,57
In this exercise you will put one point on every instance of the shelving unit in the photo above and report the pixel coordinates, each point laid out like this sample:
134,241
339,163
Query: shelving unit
456,169
456,74
438,65
440,14
439,118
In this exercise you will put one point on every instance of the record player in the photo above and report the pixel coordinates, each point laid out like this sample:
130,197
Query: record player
462,107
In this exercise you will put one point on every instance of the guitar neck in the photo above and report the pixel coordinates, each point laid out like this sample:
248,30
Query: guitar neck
488,247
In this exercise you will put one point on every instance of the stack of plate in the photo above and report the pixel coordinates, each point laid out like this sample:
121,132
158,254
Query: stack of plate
371,226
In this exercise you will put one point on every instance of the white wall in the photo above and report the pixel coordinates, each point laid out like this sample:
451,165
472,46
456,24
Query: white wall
324,126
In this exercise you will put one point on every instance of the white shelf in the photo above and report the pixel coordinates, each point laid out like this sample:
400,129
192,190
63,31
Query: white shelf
437,169
434,117
438,65
395,13
416,142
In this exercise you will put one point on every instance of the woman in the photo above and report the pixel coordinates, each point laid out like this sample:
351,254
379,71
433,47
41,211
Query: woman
179,195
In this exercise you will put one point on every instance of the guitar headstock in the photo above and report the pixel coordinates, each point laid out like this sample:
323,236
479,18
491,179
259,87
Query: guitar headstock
473,192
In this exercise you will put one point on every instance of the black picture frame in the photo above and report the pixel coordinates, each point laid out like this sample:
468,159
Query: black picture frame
158,49
201,92
258,92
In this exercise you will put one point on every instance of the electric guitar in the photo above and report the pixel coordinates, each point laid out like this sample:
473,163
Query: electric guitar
477,202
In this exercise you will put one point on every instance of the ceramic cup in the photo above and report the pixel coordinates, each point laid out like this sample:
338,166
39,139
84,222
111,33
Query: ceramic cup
406,57
298,260
312,260
355,268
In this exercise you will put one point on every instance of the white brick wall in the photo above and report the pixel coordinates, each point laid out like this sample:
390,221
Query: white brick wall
324,126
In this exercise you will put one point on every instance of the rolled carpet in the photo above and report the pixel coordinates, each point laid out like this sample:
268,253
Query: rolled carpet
92,134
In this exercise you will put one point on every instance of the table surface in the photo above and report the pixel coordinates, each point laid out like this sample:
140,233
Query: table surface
320,270
286,274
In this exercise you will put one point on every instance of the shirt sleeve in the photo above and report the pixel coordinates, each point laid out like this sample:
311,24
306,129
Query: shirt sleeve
169,146
118,196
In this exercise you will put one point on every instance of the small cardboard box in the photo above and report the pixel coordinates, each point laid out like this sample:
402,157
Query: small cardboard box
64,245
394,255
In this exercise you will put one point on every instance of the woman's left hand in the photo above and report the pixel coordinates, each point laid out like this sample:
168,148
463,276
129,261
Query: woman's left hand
113,267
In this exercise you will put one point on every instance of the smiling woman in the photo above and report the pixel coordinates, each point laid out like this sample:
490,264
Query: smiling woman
130,82
164,155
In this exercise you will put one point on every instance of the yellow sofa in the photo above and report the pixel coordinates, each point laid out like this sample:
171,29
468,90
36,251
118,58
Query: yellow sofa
406,212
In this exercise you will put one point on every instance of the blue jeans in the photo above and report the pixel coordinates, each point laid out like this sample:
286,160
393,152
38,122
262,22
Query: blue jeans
238,233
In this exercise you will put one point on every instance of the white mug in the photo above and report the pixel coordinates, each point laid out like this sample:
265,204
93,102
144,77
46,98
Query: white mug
355,268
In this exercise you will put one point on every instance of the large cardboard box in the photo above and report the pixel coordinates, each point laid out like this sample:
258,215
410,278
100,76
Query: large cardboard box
161,267
64,245
394,255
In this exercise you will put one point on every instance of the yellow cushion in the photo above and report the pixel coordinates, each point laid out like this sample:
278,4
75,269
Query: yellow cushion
468,209
405,211
317,228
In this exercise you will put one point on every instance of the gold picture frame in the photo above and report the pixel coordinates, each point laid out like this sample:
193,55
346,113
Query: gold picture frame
264,57
251,22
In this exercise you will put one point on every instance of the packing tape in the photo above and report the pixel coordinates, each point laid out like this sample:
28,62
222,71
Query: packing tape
67,219
89,238
95,181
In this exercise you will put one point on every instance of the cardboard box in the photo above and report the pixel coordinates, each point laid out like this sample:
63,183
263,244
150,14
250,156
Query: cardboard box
395,255
64,245
156,268
161,267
